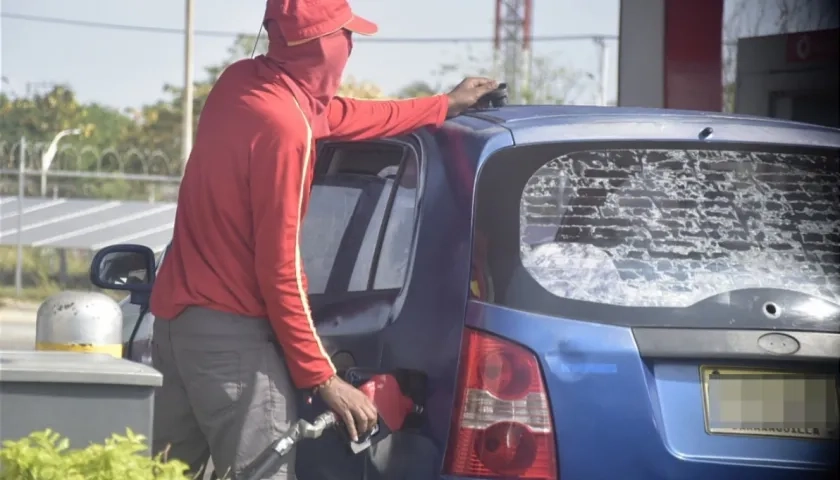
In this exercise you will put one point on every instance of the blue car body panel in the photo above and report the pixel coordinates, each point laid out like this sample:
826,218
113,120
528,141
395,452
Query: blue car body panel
637,413
616,415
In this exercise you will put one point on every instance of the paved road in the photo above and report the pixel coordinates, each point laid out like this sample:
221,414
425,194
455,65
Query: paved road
17,327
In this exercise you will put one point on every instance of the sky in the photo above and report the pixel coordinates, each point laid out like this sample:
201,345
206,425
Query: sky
128,68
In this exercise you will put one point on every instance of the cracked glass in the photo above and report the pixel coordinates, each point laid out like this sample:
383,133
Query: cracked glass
669,228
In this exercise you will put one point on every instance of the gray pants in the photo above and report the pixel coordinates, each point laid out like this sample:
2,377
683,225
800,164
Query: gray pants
226,391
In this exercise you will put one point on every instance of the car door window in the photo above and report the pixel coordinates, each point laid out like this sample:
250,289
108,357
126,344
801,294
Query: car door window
326,221
395,213
361,272
332,204
382,258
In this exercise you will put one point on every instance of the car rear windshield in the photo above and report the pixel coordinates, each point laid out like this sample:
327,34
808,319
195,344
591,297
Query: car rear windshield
662,227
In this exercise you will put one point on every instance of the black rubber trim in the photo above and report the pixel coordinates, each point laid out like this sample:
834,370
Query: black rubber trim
324,305
386,217
328,149
690,343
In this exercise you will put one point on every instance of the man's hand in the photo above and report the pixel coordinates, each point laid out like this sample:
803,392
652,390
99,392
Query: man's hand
352,406
467,93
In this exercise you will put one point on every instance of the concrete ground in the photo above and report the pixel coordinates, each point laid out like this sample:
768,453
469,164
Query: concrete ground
17,325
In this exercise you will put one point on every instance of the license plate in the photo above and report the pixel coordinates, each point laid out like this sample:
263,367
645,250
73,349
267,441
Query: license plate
770,403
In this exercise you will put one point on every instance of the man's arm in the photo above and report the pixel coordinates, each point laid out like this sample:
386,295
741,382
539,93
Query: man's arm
353,119
279,169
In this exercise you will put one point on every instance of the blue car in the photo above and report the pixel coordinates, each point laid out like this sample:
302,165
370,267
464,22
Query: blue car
591,293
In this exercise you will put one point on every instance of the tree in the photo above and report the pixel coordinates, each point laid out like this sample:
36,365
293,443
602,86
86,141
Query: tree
416,89
800,15
159,125
156,131
751,18
247,45
353,88
243,47
550,83
41,116
146,140
155,135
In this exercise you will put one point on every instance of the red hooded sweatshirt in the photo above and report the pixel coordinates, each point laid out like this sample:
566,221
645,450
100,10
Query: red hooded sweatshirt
236,243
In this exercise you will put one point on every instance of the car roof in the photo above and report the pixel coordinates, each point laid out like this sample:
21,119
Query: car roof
563,123
557,113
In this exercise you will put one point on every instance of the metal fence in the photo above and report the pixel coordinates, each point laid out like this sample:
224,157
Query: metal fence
31,170
87,171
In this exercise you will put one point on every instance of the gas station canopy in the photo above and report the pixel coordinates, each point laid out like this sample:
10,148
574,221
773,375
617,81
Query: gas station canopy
670,56
84,223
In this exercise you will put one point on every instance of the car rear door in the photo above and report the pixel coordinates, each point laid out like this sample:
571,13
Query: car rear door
356,259
683,298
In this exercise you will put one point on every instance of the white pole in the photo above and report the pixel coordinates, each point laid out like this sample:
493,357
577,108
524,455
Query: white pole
49,155
3,80
602,71
527,68
187,125
21,190
605,66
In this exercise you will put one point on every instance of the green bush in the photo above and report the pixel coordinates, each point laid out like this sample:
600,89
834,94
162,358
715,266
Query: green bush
41,268
46,456
42,276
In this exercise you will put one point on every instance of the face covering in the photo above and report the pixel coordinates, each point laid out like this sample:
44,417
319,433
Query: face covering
314,70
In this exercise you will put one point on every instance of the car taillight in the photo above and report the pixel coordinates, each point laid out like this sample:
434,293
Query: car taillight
502,422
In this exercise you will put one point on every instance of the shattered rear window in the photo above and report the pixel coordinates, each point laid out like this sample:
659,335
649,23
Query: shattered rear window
669,228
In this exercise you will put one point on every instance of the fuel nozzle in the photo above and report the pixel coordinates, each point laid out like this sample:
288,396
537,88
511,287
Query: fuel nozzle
393,405
383,390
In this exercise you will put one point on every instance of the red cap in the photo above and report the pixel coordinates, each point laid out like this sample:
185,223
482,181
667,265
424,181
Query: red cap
303,20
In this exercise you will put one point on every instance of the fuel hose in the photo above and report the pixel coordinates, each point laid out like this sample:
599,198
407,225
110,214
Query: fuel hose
267,463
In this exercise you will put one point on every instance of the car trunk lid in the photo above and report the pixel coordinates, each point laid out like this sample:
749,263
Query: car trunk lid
681,295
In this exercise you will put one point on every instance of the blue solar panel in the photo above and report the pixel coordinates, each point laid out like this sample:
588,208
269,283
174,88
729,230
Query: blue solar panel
84,223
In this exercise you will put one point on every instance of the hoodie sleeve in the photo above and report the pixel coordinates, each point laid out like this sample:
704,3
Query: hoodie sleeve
354,119
279,189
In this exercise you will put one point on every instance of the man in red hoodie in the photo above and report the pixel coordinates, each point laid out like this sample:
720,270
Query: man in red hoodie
232,286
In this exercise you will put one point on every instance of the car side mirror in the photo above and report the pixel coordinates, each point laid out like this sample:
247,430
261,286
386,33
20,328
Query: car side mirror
124,267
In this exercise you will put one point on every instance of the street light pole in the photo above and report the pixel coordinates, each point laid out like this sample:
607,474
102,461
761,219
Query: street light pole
21,194
602,70
48,156
187,121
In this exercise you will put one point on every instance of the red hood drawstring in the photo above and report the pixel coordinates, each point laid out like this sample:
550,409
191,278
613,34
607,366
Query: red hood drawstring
312,70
